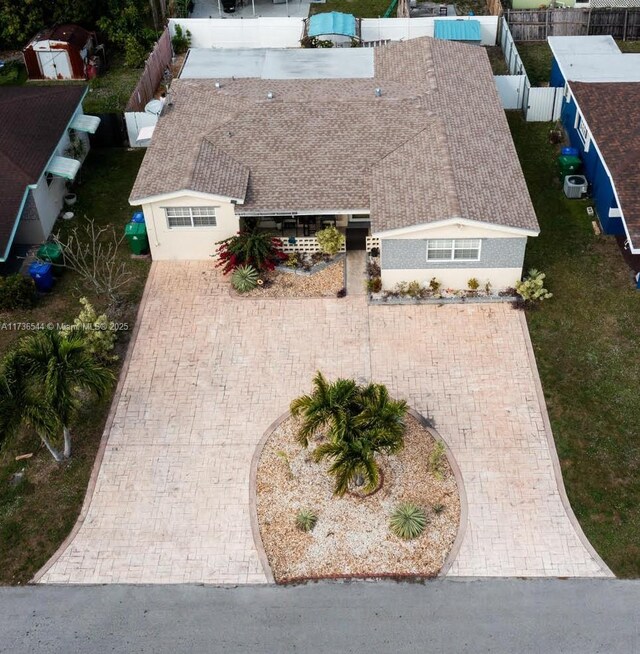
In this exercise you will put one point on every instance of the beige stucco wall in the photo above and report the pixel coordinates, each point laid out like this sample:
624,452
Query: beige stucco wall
453,278
187,242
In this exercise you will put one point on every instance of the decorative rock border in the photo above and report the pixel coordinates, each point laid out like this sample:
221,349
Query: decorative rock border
255,527
316,268
446,300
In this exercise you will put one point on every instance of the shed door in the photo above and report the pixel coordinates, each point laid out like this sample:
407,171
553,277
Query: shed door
54,64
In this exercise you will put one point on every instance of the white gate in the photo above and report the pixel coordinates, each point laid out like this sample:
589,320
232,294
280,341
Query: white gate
511,89
544,104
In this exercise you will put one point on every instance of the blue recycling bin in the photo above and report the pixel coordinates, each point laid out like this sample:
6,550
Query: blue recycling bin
138,217
570,152
42,275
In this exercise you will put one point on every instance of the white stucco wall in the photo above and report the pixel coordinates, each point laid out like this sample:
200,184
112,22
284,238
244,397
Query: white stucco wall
49,198
454,278
175,243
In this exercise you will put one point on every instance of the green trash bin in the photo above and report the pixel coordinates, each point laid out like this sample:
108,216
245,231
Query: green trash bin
568,165
136,234
50,252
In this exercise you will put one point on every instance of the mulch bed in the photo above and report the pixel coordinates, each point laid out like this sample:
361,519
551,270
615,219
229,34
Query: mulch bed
352,535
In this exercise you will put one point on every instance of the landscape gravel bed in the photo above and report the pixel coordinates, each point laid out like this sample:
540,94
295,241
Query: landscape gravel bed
325,283
352,535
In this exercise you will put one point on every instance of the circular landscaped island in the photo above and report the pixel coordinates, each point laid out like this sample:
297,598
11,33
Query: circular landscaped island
402,523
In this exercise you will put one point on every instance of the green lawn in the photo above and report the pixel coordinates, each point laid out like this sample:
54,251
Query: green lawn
37,515
110,92
536,57
586,344
359,8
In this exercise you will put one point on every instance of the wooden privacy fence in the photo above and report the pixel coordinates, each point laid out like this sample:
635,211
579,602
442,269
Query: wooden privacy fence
154,67
538,24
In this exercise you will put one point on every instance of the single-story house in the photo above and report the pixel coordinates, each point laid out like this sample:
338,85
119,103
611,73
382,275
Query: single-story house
405,143
43,140
601,91
60,52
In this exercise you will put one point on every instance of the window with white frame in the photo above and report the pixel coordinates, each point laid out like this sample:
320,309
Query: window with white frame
458,249
191,216
582,130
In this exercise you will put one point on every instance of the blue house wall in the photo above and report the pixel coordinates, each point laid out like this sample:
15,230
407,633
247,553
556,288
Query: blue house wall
557,78
594,171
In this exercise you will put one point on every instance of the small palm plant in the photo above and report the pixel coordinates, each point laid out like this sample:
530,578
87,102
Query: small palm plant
306,519
360,421
244,279
58,368
408,521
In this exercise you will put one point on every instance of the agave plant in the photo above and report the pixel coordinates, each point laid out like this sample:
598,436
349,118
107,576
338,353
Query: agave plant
306,519
408,521
244,279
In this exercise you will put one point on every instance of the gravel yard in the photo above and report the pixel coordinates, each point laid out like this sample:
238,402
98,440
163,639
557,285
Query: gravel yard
352,535
325,283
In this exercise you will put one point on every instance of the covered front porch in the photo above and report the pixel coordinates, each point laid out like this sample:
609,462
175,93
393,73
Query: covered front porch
298,230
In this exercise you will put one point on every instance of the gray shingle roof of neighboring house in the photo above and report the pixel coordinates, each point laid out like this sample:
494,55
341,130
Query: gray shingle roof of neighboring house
32,122
613,117
435,145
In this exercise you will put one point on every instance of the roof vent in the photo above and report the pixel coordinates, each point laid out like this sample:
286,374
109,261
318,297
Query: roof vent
378,92
218,85
270,95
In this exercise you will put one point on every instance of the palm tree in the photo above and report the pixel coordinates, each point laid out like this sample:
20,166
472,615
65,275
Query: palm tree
324,407
19,407
361,423
58,368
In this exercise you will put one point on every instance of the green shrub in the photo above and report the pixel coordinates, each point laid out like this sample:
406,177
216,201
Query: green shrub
181,41
306,519
414,289
17,292
98,332
135,54
330,240
292,260
436,460
315,42
244,279
435,285
408,521
438,508
473,284
532,289
249,248
374,285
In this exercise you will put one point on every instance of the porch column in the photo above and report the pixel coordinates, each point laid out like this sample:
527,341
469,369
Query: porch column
219,9
287,1
253,5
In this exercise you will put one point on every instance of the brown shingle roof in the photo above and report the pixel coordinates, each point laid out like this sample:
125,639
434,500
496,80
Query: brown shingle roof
436,145
32,121
613,117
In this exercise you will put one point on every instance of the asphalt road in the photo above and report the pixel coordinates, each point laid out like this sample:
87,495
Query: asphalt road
515,616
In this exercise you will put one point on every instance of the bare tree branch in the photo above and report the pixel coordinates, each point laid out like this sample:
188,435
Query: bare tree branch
95,258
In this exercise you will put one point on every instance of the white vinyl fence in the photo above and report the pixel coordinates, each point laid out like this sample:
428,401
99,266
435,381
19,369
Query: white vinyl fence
539,104
287,32
511,89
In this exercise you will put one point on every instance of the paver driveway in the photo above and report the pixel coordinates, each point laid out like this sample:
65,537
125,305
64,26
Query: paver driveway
209,373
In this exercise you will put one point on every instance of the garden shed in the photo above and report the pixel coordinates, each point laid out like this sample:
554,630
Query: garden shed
61,52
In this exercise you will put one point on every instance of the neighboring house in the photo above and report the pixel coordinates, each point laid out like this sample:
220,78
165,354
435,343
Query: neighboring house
43,138
60,52
406,142
600,114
